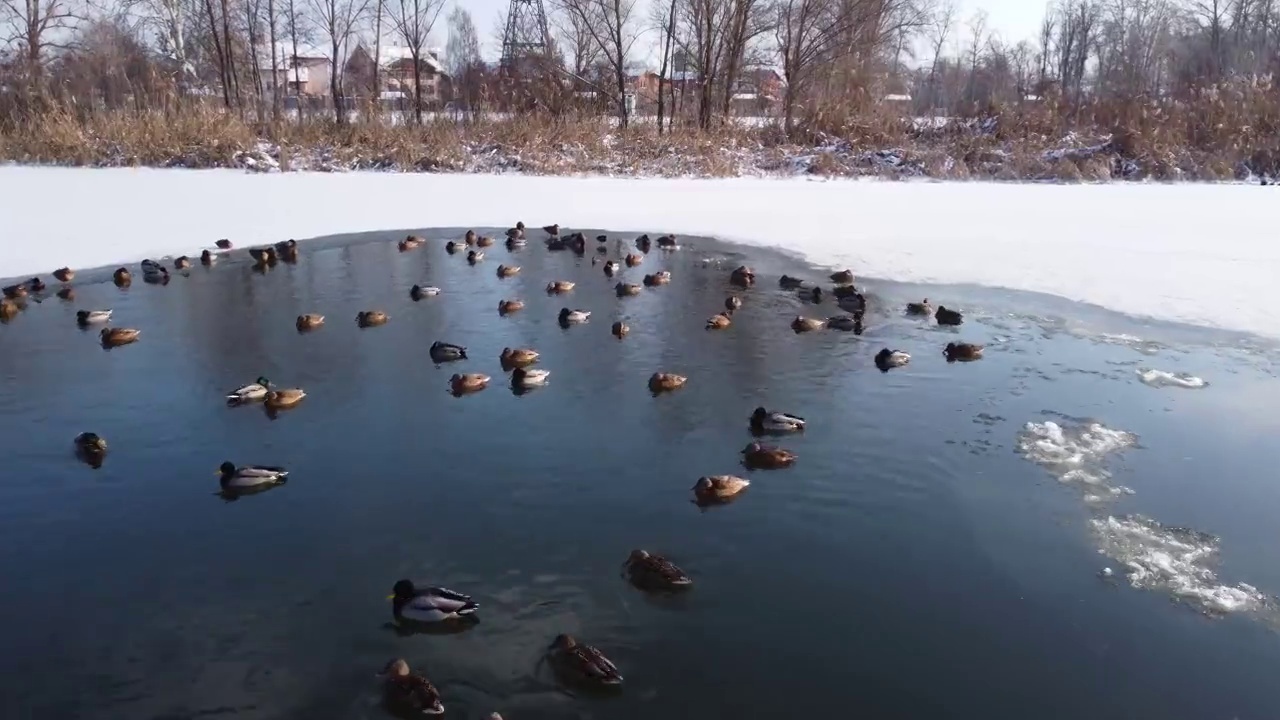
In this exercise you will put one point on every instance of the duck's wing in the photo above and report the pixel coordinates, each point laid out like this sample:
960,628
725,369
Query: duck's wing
786,418
446,600
417,691
666,569
594,664
261,471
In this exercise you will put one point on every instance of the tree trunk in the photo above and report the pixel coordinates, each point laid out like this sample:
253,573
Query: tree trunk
416,54
275,64
222,61
339,116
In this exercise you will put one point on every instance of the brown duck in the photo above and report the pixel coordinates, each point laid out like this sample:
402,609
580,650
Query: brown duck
410,243
506,307
759,455
121,277
633,259
581,663
718,488
948,317
65,274
662,277
282,398
662,382
371,318
8,309
962,351
732,303
223,244
654,572
844,277
719,321
517,357
409,694
742,276
620,329
309,322
804,324
920,308
468,382
505,271
115,337
207,258
559,286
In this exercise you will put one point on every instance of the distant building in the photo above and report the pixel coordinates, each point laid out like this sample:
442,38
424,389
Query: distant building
303,75
396,72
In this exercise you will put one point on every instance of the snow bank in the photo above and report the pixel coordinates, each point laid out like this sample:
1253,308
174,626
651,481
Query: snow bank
1200,254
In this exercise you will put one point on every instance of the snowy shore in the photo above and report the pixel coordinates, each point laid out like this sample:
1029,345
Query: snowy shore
1201,254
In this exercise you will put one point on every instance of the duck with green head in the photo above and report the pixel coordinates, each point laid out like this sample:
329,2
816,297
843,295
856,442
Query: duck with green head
256,390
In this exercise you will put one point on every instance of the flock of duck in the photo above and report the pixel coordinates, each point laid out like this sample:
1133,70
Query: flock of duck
575,663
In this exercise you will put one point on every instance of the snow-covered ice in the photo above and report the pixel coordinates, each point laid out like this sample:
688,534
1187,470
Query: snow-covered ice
1201,254
1164,378
1076,454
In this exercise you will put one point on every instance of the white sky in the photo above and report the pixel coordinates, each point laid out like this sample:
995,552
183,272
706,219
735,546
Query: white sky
1012,20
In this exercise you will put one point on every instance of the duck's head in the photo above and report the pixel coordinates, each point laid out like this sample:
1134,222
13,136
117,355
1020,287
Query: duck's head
563,642
263,381
883,355
227,469
403,589
950,349
506,352
759,414
396,668
564,313
519,224
471,255
752,448
82,315
638,555
703,484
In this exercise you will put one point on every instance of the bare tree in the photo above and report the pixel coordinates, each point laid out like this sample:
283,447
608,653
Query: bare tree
413,20
808,32
34,26
664,19
337,20
977,39
610,26
168,20
937,31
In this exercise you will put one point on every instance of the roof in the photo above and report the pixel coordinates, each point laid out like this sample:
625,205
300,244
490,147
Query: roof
284,55
388,54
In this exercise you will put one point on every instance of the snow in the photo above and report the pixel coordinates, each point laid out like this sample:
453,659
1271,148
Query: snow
1202,254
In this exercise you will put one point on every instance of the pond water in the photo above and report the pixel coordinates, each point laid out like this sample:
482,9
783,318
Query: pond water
940,549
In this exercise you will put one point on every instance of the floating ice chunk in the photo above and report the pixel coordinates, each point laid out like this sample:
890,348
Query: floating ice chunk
1075,455
1161,378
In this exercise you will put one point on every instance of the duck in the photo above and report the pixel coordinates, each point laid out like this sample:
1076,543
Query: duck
121,277
409,694
154,272
484,241
714,488
578,243
732,303
66,293
263,255
515,234
813,294
804,324
475,256
447,352
36,285
529,377
845,322
470,237
643,243
661,382
284,398
759,455
625,289
855,303
948,317
786,282
256,390
505,271
620,329
417,292
518,357
668,242
428,604
582,663
742,276
468,382
602,238
559,286
719,321
223,244
92,317
409,243
182,262
453,246
654,572
920,308
232,477
962,351
632,259
611,268
555,244
8,309
506,307
90,445
288,250
843,277
777,422
114,337
309,322
207,258
514,244
886,359
662,277
845,291
371,318
14,292
64,274
568,316
552,230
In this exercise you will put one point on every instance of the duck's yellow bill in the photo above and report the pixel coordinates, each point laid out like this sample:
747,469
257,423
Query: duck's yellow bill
391,597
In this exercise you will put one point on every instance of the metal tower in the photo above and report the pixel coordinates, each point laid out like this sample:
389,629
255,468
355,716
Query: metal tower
526,34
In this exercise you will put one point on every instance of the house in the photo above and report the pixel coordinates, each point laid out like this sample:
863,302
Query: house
303,75
395,64
758,91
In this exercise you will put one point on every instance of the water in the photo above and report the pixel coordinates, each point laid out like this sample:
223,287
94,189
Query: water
914,563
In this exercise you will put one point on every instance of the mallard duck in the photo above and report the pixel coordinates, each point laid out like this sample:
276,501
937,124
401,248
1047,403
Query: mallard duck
506,307
505,271
786,282
777,422
263,255
64,274
484,241
552,230
602,238
654,572
409,243
643,244
529,377
845,291
453,246
66,293
408,694
284,398
514,244
559,286
732,303
121,277
207,258
633,259
470,237
417,292
475,256
288,250
611,268
662,277
804,324
712,488
661,382
223,244
429,604
948,317
581,663
36,285
92,317
555,244
371,318
90,444
515,234
625,289
182,262
886,359
568,316
962,351
518,357
447,352
668,242
309,322
9,309
113,337
256,390
15,292
759,455
920,308
620,329
719,321
742,276
848,323
248,476
855,303
843,277
153,272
